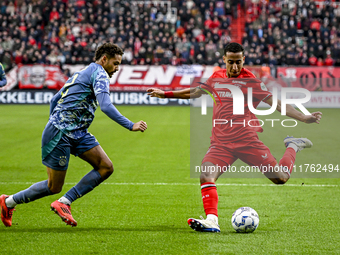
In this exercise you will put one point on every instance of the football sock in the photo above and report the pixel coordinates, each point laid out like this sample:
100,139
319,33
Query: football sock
294,146
212,217
86,184
288,159
10,203
64,200
209,197
36,191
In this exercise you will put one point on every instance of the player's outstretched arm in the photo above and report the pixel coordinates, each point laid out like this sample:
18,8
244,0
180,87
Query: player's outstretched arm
111,111
182,94
315,117
139,126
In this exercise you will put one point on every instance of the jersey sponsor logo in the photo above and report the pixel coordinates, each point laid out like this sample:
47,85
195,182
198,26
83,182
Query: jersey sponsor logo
240,82
227,86
224,94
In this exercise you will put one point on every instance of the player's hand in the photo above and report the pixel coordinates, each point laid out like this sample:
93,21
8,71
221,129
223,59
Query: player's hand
314,117
140,126
156,93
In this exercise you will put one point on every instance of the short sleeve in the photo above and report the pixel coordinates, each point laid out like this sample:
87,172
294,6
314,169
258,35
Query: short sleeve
101,81
208,84
260,91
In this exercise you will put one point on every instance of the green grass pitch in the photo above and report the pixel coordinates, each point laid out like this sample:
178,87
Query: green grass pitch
143,207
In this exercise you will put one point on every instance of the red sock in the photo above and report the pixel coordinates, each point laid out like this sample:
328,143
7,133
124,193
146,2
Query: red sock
209,197
288,159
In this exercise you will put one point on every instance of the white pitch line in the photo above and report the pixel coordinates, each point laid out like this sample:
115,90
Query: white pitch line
183,184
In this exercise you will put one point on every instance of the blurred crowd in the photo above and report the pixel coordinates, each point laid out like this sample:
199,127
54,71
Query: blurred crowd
294,33
167,32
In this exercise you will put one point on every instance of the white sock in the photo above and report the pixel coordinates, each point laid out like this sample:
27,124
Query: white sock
10,203
64,200
292,145
212,217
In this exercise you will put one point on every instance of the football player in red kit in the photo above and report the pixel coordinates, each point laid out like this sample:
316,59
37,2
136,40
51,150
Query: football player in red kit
230,140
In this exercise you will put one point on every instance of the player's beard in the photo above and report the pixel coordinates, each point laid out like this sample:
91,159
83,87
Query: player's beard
110,73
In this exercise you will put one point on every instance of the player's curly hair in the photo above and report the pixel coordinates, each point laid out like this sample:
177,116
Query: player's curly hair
108,49
234,47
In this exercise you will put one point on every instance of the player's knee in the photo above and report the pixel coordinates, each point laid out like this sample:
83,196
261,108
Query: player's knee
107,168
207,177
209,172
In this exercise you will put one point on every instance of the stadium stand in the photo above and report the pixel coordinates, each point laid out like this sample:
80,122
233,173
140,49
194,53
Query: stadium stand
274,33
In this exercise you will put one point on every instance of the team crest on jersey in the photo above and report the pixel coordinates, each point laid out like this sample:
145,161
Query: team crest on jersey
62,161
227,93
263,87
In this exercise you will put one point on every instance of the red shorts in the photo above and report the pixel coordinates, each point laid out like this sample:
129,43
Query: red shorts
252,152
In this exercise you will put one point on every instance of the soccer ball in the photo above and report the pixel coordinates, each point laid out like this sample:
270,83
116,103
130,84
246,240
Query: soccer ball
245,220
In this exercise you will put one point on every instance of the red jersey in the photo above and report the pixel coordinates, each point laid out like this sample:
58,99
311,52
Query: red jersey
235,127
